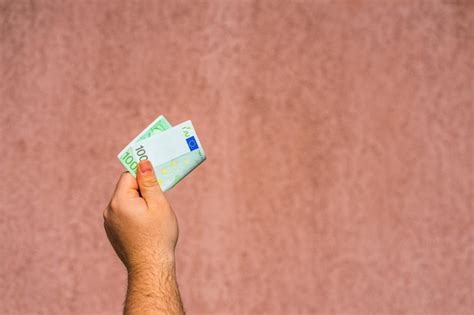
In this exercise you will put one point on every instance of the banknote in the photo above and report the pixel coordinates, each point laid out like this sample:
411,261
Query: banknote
174,153
126,156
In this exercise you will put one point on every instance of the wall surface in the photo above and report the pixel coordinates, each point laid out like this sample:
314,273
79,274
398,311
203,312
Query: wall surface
339,177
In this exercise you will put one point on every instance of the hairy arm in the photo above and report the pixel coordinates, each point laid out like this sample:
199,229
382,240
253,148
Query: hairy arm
153,291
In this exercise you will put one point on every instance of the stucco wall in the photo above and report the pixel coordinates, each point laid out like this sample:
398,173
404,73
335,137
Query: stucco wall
339,177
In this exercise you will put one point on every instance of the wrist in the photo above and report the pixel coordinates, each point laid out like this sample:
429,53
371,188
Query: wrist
151,264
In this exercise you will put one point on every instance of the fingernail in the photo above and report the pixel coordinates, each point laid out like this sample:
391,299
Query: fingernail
145,166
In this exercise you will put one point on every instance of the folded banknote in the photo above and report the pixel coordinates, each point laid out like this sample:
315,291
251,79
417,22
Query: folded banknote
173,151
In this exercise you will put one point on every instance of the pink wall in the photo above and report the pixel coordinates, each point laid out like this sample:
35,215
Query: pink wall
339,141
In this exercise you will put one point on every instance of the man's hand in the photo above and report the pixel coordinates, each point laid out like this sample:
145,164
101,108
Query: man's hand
143,230
139,221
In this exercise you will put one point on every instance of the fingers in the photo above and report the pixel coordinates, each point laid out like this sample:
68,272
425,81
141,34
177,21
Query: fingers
126,186
149,187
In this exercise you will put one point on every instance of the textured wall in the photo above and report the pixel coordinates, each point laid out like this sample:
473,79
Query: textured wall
339,177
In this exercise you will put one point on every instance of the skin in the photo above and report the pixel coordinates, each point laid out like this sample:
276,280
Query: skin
143,230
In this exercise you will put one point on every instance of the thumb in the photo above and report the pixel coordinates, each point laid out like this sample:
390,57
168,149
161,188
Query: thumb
149,187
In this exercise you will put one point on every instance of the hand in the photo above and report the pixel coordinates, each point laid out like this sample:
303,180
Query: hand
143,230
139,221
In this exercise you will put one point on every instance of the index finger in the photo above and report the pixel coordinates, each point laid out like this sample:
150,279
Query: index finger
127,186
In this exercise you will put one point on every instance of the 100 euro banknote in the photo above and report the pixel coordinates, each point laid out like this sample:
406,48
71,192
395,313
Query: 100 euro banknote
126,156
174,153
173,156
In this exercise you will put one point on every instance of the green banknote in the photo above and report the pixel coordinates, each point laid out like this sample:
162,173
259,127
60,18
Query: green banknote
173,151
126,156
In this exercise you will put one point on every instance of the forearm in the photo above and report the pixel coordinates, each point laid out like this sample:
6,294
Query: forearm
153,290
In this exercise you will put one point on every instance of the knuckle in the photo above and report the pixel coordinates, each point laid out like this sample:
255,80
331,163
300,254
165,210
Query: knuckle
123,176
114,204
150,183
